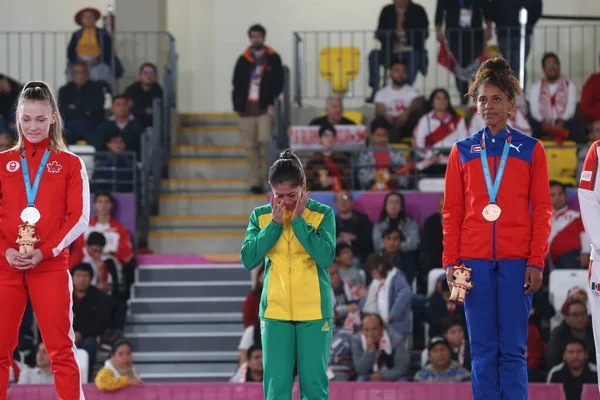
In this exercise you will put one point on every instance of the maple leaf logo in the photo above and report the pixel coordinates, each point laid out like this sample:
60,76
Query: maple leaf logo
54,167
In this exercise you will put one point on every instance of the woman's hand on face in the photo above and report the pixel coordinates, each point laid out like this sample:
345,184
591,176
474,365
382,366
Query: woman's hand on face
300,205
277,209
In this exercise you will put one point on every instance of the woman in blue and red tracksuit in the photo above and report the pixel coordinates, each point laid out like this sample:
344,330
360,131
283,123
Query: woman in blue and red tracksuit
43,184
501,233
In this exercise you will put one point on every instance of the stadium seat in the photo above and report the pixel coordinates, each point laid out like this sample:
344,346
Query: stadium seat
431,185
339,65
560,281
83,361
405,148
432,278
86,152
562,161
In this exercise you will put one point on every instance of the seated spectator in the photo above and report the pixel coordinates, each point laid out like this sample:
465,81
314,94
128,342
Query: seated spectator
379,354
252,302
576,293
389,294
590,99
340,355
114,171
402,29
439,307
552,102
454,334
124,122
7,141
346,300
430,253
118,371
352,227
251,370
91,312
399,103
436,133
250,337
575,325
93,46
328,169
379,166
575,370
143,92
393,214
517,120
107,269
81,104
9,93
569,243
592,135
441,366
42,373
392,239
334,114
344,258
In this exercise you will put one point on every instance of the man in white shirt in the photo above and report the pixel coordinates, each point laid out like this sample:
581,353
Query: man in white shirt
399,103
553,102
589,203
42,373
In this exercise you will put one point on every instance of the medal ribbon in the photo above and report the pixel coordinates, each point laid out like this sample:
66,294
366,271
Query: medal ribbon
492,189
32,190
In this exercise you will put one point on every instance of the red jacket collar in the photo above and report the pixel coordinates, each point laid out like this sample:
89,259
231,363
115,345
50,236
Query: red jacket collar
31,147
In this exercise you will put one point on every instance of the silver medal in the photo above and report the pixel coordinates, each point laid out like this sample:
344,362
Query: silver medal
30,215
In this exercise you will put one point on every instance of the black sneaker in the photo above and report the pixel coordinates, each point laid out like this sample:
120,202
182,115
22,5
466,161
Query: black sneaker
257,190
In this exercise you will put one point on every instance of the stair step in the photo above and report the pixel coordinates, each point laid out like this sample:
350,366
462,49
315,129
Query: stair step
192,273
143,290
199,222
207,151
226,168
196,242
199,186
190,328
180,342
186,356
208,119
185,318
184,378
186,304
209,136
186,368
177,204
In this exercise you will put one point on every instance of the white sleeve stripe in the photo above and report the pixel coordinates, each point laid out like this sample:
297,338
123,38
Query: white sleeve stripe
81,225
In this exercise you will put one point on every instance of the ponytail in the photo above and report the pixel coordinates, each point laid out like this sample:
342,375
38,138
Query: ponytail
287,169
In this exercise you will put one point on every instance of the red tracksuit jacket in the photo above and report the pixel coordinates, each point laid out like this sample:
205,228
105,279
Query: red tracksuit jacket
63,201
524,226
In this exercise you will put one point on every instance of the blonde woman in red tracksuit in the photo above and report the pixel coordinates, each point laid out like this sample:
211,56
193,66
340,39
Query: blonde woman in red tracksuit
496,220
44,186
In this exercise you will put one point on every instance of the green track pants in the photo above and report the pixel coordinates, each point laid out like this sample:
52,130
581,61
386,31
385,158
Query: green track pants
283,343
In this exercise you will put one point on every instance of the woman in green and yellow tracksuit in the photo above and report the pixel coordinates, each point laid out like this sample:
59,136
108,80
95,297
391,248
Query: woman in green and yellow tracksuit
295,236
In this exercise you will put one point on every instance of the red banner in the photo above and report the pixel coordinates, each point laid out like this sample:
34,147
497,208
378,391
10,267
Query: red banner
351,137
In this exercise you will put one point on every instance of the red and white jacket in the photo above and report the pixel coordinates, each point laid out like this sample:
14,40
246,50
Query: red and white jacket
589,198
567,233
118,241
63,201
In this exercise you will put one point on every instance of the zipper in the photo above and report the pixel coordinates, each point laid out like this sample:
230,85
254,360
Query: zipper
290,273
494,223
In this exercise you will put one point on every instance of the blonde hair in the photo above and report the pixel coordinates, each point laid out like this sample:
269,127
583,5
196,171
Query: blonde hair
39,91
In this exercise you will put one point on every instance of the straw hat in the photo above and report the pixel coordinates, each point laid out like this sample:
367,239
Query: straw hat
79,14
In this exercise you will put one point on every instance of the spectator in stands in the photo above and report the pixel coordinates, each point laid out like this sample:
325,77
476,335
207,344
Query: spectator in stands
91,312
576,293
340,356
389,294
81,103
575,325
251,370
399,103
252,302
464,35
430,255
334,114
441,366
121,121
590,99
118,371
7,141
106,268
393,214
438,307
517,120
378,353
439,129
569,243
553,102
535,350
391,240
114,172
380,167
351,272
592,136
346,300
143,92
42,373
505,13
575,370
94,47
353,227
250,337
9,93
257,82
402,29
454,333
328,169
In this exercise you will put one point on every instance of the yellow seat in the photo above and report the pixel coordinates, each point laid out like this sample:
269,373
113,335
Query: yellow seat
562,161
354,116
339,65
493,51
405,148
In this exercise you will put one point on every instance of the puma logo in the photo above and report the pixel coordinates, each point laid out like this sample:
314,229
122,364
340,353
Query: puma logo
517,148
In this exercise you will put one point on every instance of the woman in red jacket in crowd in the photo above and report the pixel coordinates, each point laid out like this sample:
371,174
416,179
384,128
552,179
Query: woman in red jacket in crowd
45,205
496,220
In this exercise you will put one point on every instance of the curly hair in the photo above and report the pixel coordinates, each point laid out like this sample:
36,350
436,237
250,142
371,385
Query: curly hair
495,71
